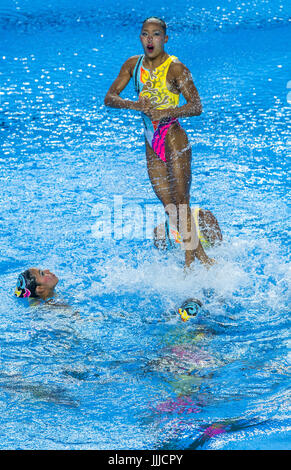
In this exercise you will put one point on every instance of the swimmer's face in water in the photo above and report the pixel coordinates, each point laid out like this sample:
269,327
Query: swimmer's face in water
46,281
153,39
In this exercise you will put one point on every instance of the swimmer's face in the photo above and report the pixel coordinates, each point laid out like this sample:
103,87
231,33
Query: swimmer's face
44,278
153,38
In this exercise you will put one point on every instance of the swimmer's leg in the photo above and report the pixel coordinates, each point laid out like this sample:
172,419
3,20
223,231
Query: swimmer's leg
161,183
159,177
171,183
178,154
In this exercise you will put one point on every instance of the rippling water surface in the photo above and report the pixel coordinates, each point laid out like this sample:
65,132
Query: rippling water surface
118,370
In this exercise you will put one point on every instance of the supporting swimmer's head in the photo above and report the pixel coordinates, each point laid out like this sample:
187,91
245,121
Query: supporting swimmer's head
190,308
153,36
36,283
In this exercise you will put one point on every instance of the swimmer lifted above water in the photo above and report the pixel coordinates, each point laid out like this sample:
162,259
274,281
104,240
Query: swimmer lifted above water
159,79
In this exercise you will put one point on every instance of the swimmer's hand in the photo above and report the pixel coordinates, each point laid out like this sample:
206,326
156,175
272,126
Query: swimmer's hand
145,106
210,262
207,262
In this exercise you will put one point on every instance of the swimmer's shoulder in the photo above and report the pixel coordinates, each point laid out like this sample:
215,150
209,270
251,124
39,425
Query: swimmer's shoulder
177,68
130,63
177,72
206,218
206,215
208,221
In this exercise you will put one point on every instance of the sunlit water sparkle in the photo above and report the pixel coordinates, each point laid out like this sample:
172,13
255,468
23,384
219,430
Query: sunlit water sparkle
120,370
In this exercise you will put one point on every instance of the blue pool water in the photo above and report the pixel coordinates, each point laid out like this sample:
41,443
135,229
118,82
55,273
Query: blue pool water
119,369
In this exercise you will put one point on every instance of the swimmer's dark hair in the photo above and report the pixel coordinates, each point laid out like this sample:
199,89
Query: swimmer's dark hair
163,24
26,285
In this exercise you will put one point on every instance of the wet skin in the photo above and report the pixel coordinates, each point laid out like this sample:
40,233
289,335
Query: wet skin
45,280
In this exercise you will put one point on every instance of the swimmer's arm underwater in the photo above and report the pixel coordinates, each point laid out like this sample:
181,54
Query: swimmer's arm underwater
62,305
57,304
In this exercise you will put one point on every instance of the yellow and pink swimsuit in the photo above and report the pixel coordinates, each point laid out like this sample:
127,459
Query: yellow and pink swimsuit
153,85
